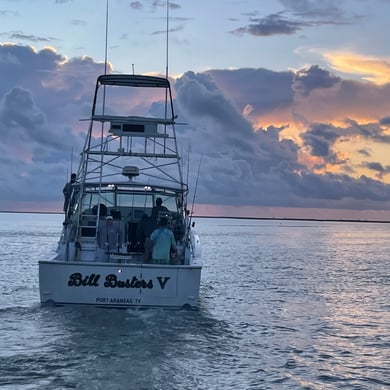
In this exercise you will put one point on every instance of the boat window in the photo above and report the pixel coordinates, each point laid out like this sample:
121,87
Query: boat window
135,200
169,202
91,200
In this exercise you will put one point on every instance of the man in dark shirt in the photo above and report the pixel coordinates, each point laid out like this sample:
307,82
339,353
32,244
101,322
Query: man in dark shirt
156,210
67,191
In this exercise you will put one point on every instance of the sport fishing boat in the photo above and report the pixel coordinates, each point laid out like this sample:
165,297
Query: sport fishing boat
129,163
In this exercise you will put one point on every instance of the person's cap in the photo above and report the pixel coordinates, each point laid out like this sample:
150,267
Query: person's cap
109,217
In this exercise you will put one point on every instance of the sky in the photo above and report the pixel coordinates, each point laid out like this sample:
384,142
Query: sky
287,101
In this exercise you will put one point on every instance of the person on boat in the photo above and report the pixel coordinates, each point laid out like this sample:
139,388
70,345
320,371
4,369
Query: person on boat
145,228
67,191
102,208
108,236
163,242
156,210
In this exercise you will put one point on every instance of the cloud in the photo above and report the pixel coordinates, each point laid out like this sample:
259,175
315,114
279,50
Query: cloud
41,102
19,110
8,13
259,165
171,30
364,152
277,139
78,22
314,8
137,5
375,70
273,24
385,121
311,78
375,166
320,137
335,99
153,4
266,91
296,15
18,35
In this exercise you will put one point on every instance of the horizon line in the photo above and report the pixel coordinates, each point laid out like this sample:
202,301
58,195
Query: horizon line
232,217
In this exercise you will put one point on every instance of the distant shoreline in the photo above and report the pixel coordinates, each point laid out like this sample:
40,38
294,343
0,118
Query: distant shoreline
222,217
298,219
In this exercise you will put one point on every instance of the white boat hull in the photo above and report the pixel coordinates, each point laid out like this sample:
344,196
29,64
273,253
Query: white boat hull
119,285
129,184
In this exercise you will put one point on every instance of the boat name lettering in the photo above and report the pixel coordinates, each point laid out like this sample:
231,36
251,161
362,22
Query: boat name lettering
77,280
163,281
113,281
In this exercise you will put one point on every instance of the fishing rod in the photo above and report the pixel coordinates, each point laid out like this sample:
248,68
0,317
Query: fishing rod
196,187
188,162
166,70
71,160
103,112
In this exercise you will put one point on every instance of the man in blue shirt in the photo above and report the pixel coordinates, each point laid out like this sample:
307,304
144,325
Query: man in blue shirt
163,240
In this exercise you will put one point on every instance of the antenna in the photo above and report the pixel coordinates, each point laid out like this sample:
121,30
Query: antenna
105,52
103,108
166,65
166,68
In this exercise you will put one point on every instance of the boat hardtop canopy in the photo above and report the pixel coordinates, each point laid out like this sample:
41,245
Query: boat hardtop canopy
137,81
128,80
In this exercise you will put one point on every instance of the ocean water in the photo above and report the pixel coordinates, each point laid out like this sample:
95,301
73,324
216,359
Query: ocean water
283,305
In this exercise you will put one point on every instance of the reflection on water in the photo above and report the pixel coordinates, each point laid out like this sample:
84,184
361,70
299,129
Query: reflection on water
315,294
284,304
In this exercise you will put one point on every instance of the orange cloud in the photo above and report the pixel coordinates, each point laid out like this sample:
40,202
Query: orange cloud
376,70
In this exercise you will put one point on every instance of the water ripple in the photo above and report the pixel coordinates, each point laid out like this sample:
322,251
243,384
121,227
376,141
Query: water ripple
284,305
